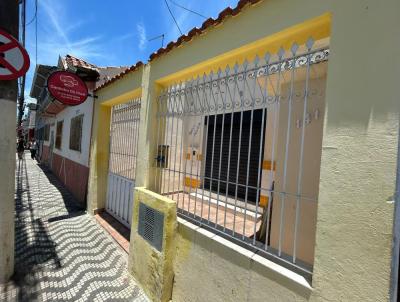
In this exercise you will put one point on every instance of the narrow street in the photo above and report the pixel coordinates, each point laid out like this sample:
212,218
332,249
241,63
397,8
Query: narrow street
61,253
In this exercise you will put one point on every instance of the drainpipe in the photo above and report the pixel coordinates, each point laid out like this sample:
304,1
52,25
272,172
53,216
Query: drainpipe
90,149
394,278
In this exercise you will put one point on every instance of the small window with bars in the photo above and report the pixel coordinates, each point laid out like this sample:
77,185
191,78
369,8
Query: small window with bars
39,134
60,125
75,136
46,132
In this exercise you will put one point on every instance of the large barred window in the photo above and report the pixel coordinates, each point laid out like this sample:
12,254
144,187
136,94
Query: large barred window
46,132
239,150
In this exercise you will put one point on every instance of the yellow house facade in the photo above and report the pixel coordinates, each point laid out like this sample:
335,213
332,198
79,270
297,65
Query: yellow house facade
273,130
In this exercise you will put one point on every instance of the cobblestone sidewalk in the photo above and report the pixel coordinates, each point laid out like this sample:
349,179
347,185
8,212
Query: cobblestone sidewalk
61,253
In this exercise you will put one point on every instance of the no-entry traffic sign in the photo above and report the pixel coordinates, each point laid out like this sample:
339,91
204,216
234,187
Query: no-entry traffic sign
14,60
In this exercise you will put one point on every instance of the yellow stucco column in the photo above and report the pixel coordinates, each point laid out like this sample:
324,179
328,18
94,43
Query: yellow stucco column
127,88
147,131
99,152
358,168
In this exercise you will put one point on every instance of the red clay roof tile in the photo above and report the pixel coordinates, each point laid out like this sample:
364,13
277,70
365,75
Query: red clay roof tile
77,62
120,75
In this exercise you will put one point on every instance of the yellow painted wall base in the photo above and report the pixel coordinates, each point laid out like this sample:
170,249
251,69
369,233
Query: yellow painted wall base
210,268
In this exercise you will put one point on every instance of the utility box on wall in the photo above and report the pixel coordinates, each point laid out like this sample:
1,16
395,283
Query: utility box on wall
162,156
151,225
152,245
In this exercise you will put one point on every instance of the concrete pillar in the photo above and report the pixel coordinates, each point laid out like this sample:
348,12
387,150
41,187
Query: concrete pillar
148,132
359,151
118,93
8,97
7,186
99,153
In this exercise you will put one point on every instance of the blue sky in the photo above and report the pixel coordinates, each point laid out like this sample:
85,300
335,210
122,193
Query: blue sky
108,33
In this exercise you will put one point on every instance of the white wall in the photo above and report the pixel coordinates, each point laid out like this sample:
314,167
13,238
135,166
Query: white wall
86,108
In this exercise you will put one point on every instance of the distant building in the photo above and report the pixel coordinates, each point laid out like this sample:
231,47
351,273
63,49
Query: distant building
63,132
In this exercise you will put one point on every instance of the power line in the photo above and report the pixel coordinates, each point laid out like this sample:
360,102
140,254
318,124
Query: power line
173,17
21,100
158,37
34,17
187,9
36,31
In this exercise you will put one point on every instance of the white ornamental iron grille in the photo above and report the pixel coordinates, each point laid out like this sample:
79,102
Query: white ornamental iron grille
239,150
124,135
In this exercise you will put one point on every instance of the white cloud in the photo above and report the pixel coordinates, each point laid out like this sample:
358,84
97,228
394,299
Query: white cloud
54,16
124,37
57,35
142,35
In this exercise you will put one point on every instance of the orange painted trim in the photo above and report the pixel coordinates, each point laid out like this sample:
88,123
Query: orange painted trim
192,182
267,165
264,201
198,156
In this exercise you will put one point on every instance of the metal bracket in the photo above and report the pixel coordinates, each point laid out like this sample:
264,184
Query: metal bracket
93,96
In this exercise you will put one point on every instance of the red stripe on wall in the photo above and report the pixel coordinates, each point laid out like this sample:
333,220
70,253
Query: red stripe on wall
44,157
73,175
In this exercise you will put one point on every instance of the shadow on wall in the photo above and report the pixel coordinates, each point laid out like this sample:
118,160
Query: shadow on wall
355,103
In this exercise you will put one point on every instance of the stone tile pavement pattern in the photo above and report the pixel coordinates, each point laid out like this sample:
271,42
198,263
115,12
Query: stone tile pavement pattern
61,253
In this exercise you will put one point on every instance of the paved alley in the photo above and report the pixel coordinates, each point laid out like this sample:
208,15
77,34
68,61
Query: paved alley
61,253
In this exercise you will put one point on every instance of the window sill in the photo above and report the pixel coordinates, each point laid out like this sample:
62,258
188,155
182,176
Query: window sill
238,255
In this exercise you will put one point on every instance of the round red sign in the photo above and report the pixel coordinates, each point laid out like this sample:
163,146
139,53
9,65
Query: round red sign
67,88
